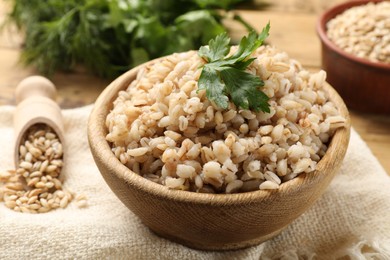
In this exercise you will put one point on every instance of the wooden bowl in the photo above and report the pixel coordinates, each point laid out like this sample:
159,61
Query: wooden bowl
211,221
363,84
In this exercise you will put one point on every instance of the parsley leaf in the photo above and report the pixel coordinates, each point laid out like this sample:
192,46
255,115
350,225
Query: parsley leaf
218,48
209,77
242,87
251,43
225,77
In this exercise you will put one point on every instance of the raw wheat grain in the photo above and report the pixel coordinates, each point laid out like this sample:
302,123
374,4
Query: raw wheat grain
41,161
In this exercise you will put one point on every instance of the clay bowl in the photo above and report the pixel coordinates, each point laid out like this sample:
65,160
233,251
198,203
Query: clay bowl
210,221
364,85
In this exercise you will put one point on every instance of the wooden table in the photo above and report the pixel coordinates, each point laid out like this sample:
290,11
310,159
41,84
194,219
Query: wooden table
292,30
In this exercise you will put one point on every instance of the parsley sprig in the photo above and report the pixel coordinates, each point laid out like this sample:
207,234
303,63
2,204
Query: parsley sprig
108,37
225,77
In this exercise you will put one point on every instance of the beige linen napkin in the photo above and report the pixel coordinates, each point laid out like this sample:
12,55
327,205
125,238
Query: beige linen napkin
351,219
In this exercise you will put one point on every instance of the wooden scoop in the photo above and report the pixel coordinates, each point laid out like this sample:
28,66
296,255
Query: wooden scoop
35,105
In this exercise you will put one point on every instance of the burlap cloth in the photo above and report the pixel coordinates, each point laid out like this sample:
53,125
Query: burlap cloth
351,219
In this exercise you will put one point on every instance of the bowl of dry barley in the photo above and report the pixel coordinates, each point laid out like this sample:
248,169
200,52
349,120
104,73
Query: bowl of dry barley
355,39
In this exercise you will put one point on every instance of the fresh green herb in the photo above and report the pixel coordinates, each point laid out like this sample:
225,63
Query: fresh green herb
225,77
110,36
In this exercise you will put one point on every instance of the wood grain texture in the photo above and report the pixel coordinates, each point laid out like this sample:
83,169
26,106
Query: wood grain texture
299,6
293,30
211,221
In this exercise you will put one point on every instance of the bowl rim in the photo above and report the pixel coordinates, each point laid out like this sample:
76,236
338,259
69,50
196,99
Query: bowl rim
100,148
332,13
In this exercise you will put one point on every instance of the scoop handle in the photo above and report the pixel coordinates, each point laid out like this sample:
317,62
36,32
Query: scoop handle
35,105
35,86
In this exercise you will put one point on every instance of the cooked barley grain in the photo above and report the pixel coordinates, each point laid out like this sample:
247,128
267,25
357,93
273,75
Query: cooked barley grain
173,135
